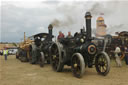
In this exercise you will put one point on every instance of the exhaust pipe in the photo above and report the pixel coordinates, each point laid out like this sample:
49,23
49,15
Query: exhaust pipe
88,25
50,27
24,37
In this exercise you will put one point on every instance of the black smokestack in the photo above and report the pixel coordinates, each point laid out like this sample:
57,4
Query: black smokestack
50,27
88,24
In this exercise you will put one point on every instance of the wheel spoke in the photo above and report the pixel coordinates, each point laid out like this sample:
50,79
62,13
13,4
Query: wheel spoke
78,65
102,64
104,68
55,58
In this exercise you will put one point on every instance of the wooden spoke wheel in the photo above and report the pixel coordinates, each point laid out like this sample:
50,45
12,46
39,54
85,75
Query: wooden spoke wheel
41,59
78,65
102,63
56,62
30,54
23,56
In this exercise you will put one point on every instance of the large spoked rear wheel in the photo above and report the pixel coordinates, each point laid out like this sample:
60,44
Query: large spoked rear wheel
30,56
24,56
23,59
42,59
56,61
78,65
102,63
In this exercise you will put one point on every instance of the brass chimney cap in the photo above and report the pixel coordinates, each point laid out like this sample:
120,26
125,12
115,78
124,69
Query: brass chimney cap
88,15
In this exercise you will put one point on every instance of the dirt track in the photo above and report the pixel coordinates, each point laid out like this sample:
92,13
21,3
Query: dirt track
13,72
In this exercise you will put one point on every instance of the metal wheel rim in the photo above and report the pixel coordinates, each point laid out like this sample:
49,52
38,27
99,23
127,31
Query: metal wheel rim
102,63
55,58
76,61
78,65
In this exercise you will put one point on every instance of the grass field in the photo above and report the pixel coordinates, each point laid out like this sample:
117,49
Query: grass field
14,72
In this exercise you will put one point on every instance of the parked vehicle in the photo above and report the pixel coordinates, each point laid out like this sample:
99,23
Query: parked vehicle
37,50
12,51
79,52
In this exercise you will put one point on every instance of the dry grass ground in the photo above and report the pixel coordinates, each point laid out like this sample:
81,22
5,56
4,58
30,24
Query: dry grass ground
13,72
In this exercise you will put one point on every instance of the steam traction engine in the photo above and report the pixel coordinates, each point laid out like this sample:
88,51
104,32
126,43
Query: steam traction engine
109,43
120,40
23,49
41,47
37,50
79,52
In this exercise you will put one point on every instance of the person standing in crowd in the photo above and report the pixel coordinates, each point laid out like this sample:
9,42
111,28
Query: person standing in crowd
117,56
0,52
5,53
61,35
69,35
126,55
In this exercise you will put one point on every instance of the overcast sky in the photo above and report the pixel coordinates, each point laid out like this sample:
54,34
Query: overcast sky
34,16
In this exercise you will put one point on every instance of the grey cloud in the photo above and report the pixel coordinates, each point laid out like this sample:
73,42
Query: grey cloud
69,17
115,13
16,21
117,28
51,2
